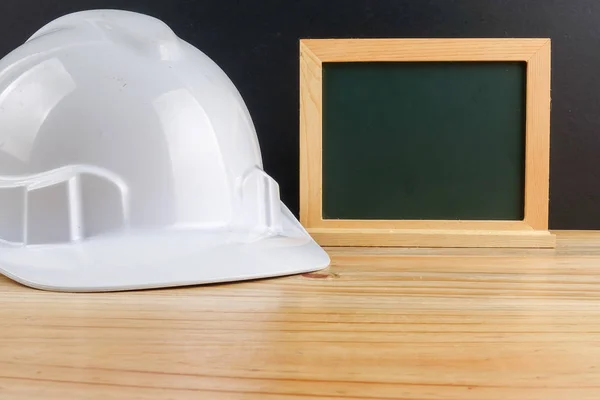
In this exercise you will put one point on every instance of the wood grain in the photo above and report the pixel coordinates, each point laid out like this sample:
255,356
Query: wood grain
536,52
384,50
464,324
537,158
311,126
433,237
423,224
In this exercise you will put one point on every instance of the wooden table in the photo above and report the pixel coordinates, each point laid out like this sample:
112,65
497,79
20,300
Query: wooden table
379,324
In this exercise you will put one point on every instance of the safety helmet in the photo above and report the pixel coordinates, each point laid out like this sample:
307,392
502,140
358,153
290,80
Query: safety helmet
128,160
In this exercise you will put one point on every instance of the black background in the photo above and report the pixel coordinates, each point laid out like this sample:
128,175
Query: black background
256,43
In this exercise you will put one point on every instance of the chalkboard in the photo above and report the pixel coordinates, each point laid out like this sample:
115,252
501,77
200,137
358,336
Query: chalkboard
424,140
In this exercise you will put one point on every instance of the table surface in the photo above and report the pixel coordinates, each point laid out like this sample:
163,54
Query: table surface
379,324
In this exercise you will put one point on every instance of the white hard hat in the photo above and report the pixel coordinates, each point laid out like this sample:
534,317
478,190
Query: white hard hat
128,160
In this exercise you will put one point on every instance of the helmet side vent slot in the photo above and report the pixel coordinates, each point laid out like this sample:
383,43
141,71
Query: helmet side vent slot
12,214
48,214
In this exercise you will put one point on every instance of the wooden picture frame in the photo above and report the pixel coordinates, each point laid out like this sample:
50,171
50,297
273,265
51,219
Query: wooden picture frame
531,232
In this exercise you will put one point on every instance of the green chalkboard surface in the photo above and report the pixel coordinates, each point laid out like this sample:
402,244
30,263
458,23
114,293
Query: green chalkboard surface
424,140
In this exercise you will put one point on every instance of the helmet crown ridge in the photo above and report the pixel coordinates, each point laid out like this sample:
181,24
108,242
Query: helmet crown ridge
136,31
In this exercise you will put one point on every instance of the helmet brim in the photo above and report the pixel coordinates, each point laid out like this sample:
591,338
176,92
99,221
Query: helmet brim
162,259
